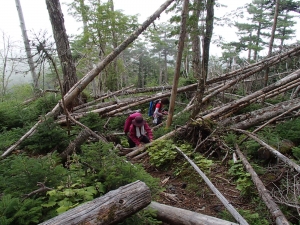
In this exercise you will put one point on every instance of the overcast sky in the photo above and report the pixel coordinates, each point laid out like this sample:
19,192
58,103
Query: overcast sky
37,18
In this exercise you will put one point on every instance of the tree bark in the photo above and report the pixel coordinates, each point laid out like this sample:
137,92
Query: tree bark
184,16
263,192
177,216
110,208
63,48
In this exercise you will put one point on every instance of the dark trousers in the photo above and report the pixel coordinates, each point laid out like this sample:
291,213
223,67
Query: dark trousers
143,139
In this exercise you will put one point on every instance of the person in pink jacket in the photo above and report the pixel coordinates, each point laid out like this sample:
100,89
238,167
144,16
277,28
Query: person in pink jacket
139,132
128,121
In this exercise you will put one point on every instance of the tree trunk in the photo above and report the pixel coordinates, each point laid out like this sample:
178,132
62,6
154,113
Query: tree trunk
272,206
110,208
196,57
272,39
177,216
63,48
27,46
178,61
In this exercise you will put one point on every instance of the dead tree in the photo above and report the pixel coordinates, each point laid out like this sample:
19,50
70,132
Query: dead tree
110,208
177,216
263,192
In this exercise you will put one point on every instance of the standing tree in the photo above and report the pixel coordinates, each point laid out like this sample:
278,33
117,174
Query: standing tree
27,46
63,47
209,25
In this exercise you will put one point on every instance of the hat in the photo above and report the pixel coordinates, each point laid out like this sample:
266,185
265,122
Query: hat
138,121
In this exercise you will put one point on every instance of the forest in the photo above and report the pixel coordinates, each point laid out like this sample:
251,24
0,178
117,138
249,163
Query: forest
227,151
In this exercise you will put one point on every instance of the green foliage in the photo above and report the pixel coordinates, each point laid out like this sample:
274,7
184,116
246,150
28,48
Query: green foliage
290,130
242,179
145,216
93,121
13,211
249,108
45,104
114,171
296,152
20,174
64,198
248,215
49,136
231,139
8,138
162,153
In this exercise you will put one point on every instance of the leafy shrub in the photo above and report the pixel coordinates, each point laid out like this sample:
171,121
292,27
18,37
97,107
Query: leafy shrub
162,153
242,178
296,152
290,130
20,173
49,136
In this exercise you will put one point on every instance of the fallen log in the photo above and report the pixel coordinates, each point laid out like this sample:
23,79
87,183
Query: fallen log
256,117
263,192
274,152
110,208
246,100
219,195
177,216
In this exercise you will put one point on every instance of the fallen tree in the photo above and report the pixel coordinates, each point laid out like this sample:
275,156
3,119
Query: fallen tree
177,216
263,192
110,208
273,151
225,202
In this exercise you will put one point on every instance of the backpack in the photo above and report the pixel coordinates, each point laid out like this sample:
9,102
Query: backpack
152,107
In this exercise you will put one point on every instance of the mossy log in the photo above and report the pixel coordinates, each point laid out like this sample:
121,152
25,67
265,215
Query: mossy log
111,208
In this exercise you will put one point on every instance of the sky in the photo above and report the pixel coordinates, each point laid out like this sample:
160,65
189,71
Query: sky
37,19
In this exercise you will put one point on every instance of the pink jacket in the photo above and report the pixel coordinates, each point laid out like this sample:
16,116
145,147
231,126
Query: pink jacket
134,138
129,120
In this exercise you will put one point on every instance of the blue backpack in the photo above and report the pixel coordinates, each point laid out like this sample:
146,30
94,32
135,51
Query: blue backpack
152,107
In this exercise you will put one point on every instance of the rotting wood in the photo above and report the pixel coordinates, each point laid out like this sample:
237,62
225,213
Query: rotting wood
273,151
225,202
263,192
110,208
177,216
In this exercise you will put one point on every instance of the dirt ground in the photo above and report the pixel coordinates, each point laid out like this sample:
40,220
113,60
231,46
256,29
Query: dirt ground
199,199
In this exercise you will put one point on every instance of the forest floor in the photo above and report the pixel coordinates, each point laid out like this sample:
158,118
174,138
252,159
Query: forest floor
181,193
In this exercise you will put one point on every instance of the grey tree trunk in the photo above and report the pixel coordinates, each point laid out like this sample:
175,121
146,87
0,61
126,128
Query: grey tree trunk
26,44
63,48
110,208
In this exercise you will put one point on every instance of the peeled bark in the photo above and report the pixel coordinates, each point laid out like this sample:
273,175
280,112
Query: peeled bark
177,216
110,208
263,192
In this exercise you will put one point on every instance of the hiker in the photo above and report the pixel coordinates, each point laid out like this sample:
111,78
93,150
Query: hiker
159,111
139,132
128,121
